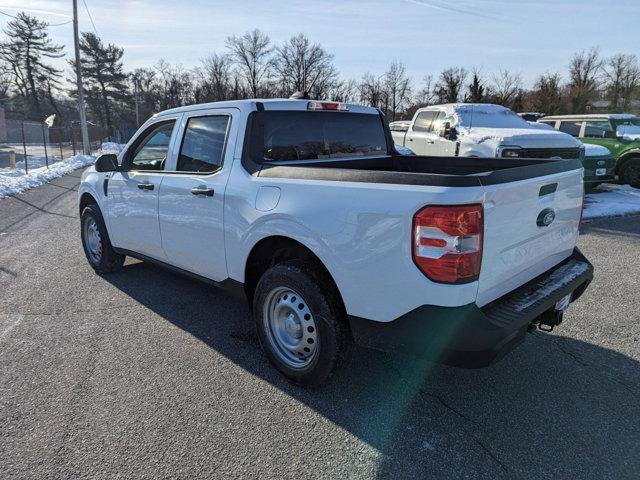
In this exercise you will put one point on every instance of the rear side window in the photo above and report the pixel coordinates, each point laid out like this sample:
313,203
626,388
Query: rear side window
423,121
287,135
203,144
571,127
598,129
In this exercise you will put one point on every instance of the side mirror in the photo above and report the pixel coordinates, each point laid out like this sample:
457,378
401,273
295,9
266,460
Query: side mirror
449,132
107,162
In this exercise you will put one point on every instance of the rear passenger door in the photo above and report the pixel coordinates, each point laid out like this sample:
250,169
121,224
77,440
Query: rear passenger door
420,138
191,198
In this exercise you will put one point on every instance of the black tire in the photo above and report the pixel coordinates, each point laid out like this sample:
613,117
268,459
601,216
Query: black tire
630,172
333,341
108,260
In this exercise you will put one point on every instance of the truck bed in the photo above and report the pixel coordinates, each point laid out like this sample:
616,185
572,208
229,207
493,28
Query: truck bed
419,170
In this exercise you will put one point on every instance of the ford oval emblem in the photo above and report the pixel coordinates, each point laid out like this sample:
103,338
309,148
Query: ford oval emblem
546,217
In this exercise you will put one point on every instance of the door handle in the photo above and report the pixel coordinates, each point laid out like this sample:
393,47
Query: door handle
202,190
431,141
411,139
146,186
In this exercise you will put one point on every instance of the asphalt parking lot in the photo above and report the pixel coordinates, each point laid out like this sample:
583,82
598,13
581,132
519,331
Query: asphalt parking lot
147,374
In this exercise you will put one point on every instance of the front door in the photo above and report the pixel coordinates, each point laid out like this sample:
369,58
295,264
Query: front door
133,191
191,200
420,138
443,147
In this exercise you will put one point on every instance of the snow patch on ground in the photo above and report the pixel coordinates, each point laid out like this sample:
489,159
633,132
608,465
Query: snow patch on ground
13,181
111,147
611,201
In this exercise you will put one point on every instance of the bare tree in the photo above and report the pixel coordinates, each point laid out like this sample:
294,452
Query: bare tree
450,84
215,79
505,88
344,91
251,53
176,85
548,95
397,88
304,67
584,70
371,91
622,77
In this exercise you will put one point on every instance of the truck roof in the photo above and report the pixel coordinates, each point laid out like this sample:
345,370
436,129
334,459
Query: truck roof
592,116
268,103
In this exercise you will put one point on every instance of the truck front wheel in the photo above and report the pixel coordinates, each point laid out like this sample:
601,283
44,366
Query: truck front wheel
95,241
301,323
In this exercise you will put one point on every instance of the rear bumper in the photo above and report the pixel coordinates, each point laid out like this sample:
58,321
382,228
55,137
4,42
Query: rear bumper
594,179
470,336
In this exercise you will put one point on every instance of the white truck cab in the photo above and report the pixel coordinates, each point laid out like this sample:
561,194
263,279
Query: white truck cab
481,130
306,209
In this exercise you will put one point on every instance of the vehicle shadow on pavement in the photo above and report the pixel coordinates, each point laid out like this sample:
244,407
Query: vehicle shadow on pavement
556,407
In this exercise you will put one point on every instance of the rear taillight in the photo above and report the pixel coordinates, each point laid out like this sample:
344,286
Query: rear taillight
447,242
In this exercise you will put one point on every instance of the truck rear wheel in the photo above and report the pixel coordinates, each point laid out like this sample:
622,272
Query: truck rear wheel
301,323
95,241
631,172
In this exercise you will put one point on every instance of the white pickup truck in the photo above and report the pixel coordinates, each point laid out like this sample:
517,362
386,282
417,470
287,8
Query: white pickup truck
481,130
307,210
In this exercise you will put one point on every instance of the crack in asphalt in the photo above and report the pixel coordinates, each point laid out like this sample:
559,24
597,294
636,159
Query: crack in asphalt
483,446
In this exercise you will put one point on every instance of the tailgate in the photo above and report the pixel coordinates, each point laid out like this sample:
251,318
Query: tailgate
529,226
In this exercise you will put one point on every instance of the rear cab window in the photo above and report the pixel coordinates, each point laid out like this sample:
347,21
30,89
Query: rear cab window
302,135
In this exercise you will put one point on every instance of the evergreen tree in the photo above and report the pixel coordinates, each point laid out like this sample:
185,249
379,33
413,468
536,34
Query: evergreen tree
103,77
25,51
476,89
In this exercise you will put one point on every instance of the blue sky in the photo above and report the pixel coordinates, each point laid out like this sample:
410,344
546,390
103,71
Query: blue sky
528,37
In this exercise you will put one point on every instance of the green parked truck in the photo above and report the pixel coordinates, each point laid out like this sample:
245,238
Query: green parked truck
619,133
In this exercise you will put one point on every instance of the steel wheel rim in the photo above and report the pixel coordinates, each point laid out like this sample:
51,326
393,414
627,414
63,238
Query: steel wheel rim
290,327
93,240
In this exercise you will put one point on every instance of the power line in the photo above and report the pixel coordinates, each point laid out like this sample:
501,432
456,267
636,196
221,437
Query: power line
90,18
49,24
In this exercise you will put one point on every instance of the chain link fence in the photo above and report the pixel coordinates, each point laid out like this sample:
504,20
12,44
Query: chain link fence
26,144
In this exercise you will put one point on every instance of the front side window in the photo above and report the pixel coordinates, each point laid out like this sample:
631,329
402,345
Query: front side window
150,151
302,135
440,120
571,127
598,129
203,144
423,121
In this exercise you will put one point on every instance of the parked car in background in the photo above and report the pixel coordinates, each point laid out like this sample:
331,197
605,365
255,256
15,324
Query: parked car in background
619,133
306,209
482,130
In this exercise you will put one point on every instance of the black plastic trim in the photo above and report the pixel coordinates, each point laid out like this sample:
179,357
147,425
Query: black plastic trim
469,336
398,169
231,286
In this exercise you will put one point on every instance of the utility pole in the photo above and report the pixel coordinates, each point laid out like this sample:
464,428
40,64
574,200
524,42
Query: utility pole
83,118
135,96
